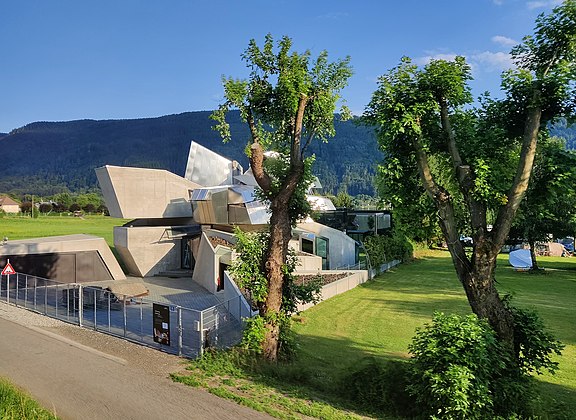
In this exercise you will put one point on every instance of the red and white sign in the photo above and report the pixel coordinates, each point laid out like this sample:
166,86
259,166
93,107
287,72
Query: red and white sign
8,269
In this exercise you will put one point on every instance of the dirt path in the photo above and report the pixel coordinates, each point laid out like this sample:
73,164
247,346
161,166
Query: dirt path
80,374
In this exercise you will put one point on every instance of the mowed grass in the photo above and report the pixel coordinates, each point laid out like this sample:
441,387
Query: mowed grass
17,405
379,318
15,227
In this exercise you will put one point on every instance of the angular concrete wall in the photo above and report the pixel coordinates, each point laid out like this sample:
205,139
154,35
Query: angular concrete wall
206,270
69,258
335,288
341,247
133,193
147,250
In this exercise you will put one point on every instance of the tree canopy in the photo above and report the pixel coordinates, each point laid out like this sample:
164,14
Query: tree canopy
288,100
475,161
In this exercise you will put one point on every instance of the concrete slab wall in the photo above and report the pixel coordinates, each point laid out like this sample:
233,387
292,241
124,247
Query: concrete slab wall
133,193
83,257
309,262
206,270
236,304
147,250
343,285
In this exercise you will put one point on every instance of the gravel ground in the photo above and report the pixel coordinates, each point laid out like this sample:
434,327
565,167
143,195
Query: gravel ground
151,361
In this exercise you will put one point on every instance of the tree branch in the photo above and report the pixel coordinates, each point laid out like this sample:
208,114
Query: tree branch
257,157
464,175
295,156
445,208
520,184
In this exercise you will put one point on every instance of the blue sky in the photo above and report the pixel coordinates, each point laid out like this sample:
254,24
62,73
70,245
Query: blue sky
63,60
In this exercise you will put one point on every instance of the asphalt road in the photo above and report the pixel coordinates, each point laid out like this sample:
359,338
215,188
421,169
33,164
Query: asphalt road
78,382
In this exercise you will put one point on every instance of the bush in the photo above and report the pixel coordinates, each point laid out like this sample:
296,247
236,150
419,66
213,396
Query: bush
453,363
45,208
533,344
460,370
384,248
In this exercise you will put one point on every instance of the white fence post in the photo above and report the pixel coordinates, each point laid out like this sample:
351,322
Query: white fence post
80,304
179,309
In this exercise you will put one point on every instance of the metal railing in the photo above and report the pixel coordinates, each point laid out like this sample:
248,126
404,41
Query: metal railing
188,331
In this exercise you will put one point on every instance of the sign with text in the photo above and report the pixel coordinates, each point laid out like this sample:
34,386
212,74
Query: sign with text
161,320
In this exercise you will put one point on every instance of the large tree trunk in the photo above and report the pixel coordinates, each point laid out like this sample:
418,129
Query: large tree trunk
476,274
532,245
280,234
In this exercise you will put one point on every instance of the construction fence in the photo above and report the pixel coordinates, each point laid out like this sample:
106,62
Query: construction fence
171,328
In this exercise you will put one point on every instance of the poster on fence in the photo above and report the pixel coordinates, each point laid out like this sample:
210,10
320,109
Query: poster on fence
161,320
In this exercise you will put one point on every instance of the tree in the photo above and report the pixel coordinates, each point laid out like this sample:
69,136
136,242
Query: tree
475,164
64,201
45,208
343,200
89,198
549,207
246,269
287,101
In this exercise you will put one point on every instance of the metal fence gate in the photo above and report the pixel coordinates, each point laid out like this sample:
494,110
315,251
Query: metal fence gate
187,331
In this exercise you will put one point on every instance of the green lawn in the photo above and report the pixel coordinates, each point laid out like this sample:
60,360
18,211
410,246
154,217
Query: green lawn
379,318
15,227
376,319
16,404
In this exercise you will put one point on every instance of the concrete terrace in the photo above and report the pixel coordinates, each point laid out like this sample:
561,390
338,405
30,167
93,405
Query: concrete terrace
183,292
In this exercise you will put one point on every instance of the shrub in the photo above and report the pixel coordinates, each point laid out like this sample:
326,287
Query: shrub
384,248
253,335
533,344
460,370
45,208
452,365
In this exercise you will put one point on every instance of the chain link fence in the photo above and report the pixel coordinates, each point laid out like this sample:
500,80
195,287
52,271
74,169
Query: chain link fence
183,331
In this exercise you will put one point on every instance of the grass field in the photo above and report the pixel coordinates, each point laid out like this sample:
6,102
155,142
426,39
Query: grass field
15,227
378,319
17,405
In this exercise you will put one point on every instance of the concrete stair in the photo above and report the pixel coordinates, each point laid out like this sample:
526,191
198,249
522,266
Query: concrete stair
175,274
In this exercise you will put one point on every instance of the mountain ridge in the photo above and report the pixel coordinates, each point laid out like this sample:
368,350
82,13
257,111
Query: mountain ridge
48,157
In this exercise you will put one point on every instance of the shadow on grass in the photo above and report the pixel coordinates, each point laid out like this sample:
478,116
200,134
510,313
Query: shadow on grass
557,401
313,385
320,372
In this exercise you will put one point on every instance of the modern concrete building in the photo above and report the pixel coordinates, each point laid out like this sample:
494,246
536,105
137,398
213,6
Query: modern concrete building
179,227
171,214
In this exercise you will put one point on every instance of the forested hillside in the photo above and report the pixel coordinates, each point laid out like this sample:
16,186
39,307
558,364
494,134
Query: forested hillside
49,157
566,131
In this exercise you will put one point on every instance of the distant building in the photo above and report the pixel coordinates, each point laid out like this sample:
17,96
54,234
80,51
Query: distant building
9,205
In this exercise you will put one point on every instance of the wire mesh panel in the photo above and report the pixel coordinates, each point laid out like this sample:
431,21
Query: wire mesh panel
220,328
192,343
185,331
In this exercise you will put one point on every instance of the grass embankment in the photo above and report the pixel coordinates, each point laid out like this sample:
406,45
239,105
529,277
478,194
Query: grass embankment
17,405
378,319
